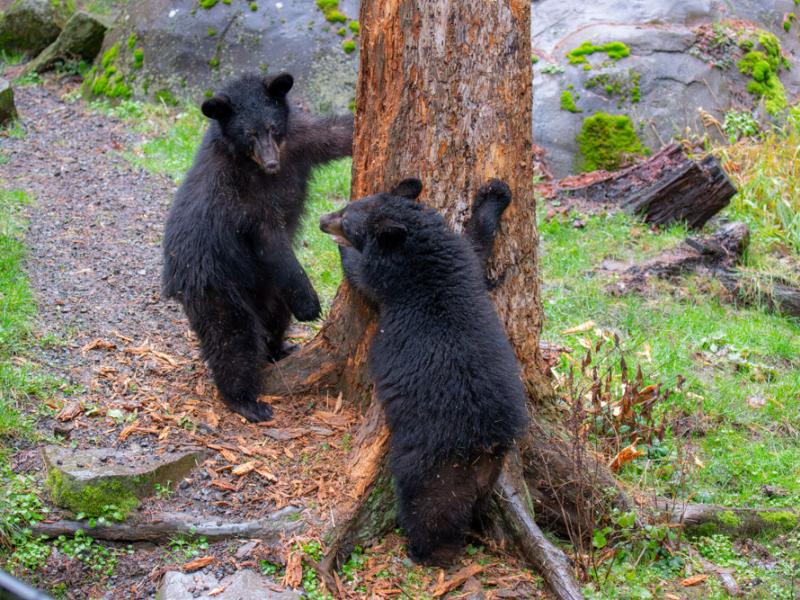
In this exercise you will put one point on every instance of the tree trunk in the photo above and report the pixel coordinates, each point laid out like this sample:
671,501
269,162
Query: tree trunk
444,94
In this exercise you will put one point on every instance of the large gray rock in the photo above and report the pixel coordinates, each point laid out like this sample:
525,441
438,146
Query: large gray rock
8,110
31,25
87,481
80,39
674,80
242,585
188,51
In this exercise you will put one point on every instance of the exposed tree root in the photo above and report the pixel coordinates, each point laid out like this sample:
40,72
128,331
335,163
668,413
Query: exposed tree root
699,519
161,530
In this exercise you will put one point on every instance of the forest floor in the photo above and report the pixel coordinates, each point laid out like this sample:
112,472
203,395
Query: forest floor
84,190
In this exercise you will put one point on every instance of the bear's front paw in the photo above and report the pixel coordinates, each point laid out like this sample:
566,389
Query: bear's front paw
307,307
494,193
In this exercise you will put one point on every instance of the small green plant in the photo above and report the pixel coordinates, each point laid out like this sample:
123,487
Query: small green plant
186,548
163,492
92,554
31,78
553,69
739,125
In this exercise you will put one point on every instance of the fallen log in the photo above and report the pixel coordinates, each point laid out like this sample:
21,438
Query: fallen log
717,256
669,187
705,519
161,529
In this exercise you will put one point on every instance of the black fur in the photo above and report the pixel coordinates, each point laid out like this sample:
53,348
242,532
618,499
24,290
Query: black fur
228,254
441,363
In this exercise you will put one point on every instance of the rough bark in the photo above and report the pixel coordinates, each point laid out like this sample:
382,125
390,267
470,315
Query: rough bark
667,188
161,529
444,94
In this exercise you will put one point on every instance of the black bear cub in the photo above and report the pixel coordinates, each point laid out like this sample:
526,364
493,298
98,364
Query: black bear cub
441,363
228,254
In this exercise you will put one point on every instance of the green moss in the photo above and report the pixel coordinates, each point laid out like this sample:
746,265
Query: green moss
764,65
784,520
729,519
355,27
132,41
342,31
138,58
605,141
208,4
330,8
614,50
618,85
213,62
212,32
109,56
568,102
253,6
92,501
348,46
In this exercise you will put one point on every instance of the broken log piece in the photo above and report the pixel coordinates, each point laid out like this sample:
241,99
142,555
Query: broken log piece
773,293
160,530
707,519
721,250
667,188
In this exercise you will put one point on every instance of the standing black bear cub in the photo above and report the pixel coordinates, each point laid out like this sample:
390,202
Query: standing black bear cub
442,365
228,243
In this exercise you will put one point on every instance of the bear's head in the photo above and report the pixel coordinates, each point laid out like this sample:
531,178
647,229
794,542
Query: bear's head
379,221
252,115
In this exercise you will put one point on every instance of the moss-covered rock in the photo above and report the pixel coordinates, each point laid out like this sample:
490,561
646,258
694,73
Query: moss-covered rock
8,110
30,26
763,62
91,481
81,39
608,142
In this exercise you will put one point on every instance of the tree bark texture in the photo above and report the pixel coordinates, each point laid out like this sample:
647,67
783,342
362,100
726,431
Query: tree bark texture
444,94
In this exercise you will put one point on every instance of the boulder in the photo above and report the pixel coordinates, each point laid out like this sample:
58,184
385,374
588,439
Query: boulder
8,110
88,481
242,585
661,85
176,49
80,39
29,26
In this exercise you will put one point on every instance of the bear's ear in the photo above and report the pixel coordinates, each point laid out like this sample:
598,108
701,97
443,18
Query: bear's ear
279,86
408,188
390,233
217,107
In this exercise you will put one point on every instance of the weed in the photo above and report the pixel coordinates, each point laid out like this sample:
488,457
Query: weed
186,548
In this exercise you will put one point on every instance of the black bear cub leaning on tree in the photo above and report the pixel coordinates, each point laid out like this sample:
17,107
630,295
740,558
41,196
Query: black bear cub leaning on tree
228,254
442,365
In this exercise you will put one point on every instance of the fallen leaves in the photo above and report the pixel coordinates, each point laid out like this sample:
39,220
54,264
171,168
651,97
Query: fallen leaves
293,575
582,328
694,580
625,456
244,468
198,563
70,411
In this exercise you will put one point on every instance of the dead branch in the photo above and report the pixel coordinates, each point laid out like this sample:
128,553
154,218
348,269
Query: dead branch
737,522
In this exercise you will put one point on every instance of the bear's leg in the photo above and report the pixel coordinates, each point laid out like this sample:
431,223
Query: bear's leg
232,341
436,511
274,315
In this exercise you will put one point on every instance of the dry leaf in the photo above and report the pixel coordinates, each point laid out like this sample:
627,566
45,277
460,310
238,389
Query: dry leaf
267,475
99,344
70,411
694,580
244,468
671,597
457,580
582,328
231,457
756,402
294,570
125,433
624,456
216,591
198,563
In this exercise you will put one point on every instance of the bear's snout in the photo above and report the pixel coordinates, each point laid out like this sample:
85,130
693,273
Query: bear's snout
332,225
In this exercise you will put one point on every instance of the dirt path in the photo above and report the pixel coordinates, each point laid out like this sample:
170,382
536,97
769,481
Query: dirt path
94,264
